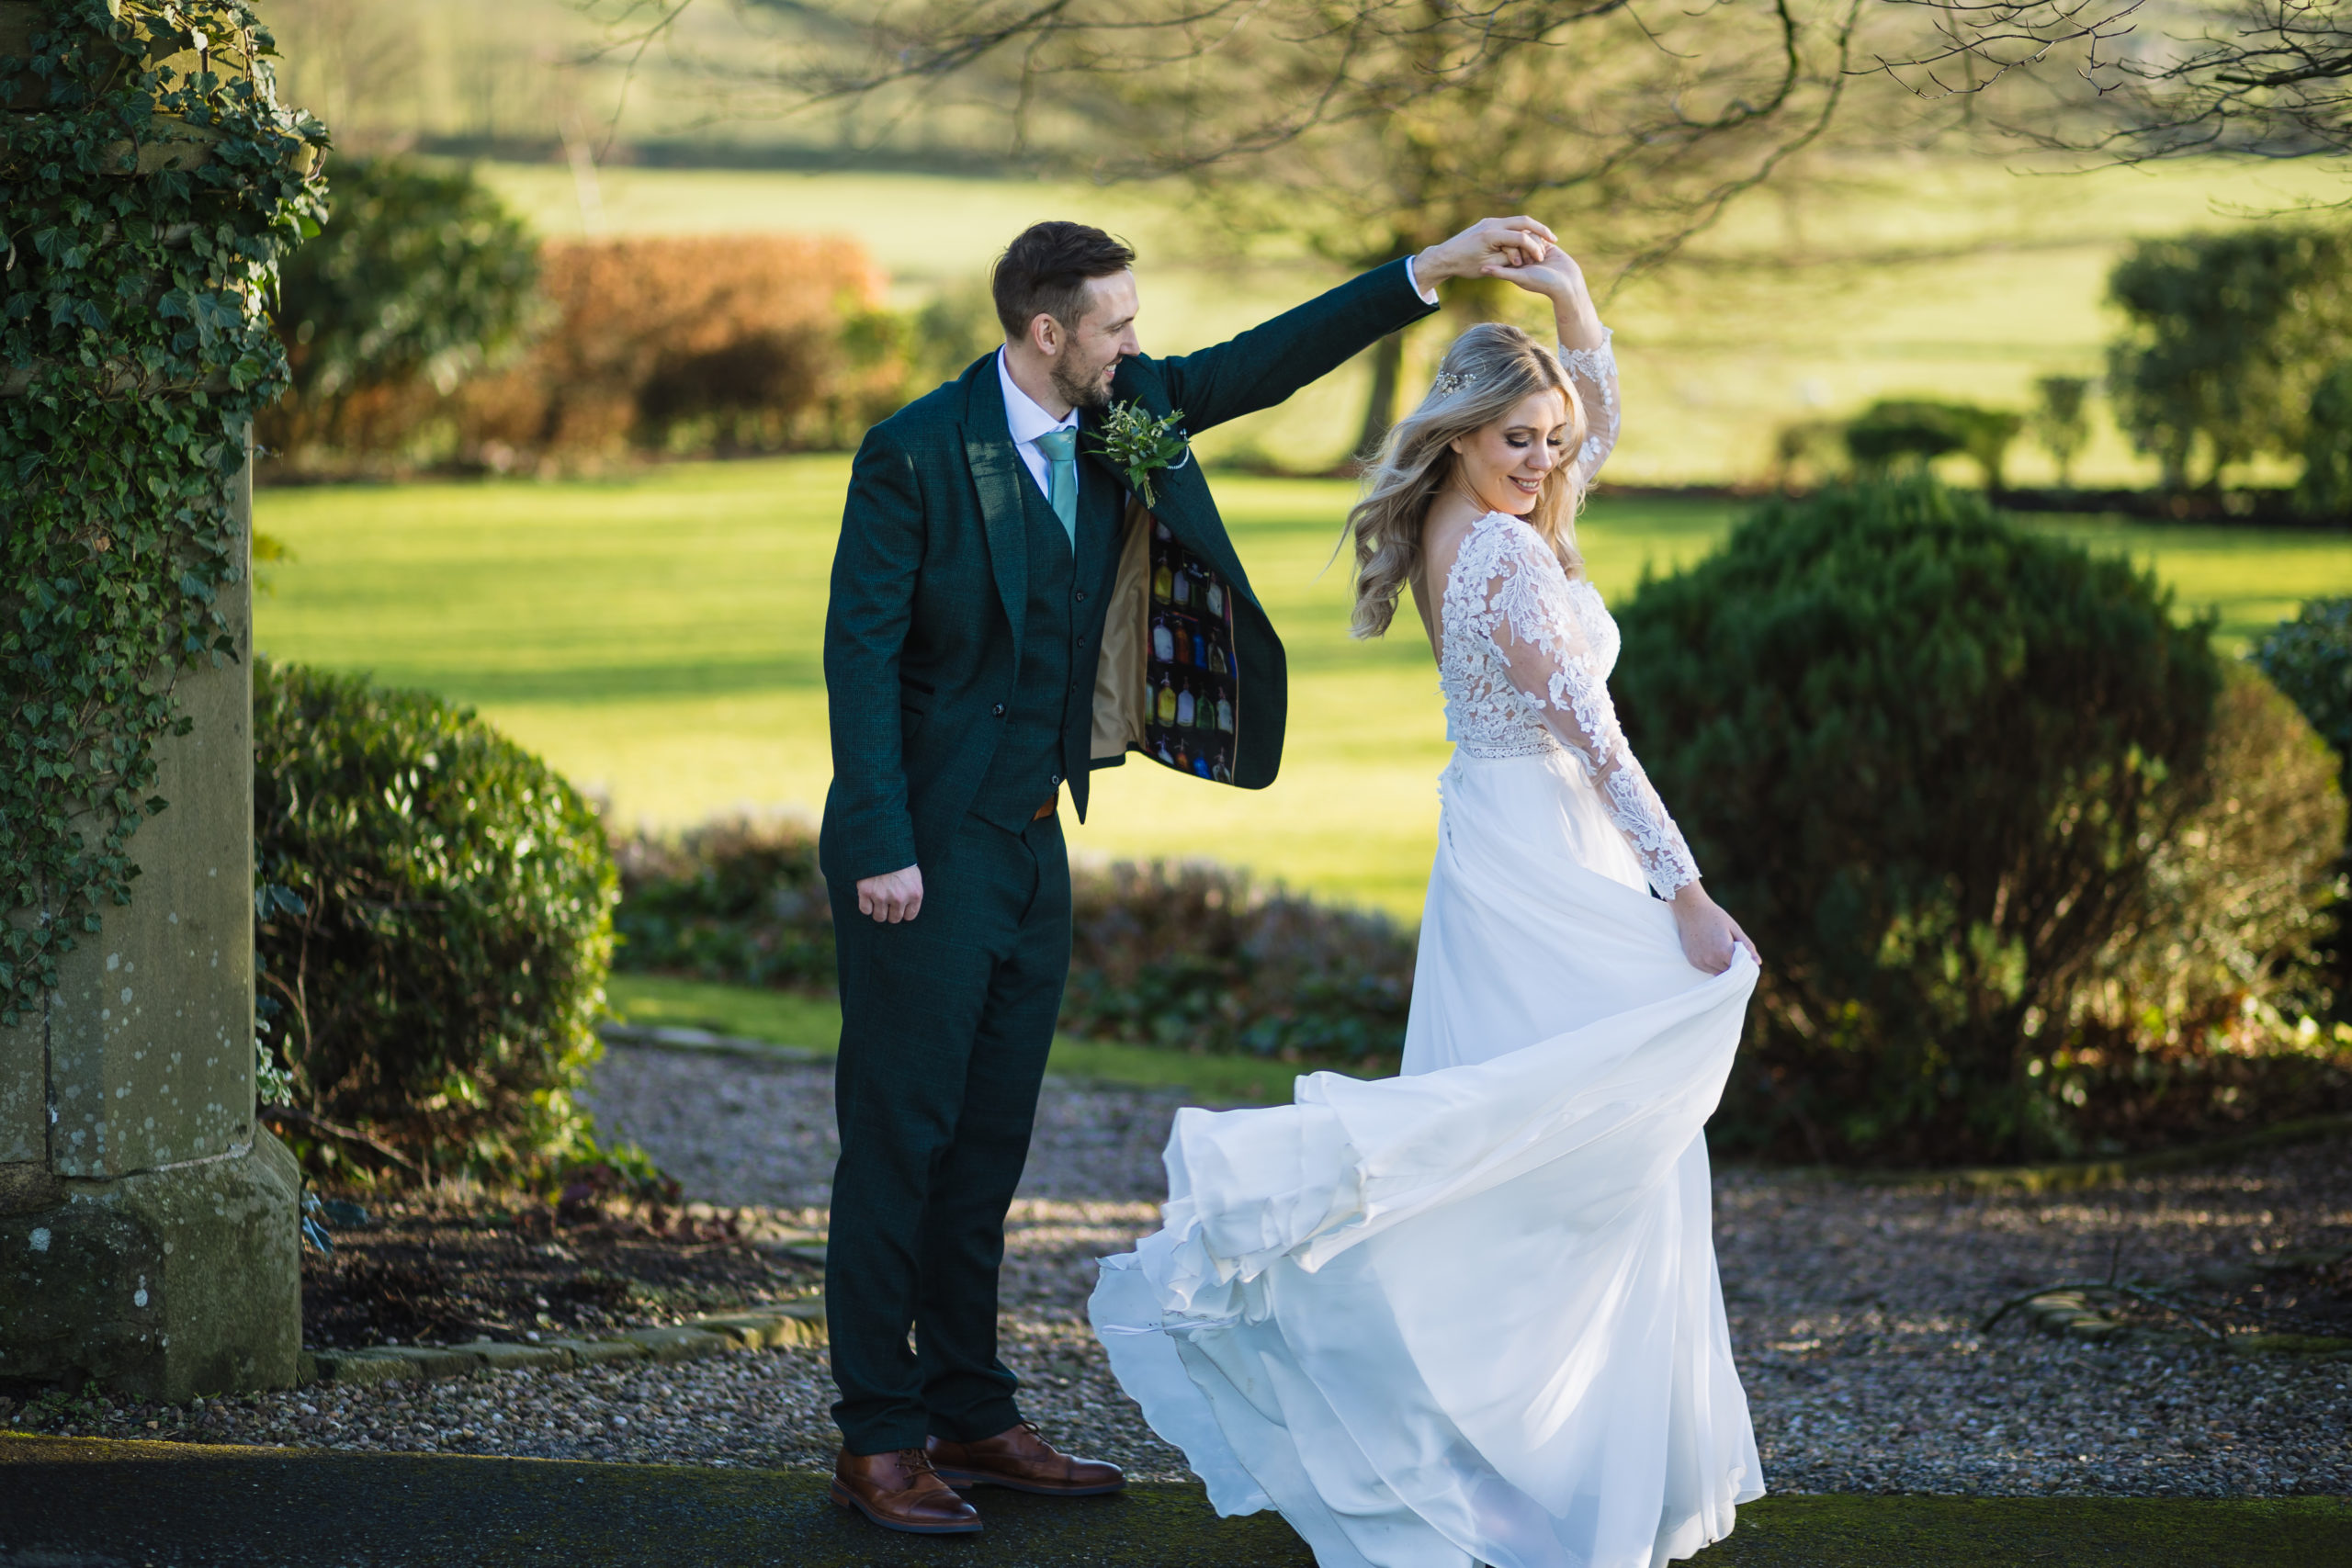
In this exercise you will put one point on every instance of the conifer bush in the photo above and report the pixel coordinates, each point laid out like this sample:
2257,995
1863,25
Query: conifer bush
1928,759
435,923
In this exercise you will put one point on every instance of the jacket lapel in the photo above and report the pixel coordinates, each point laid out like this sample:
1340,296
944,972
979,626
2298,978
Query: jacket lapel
998,475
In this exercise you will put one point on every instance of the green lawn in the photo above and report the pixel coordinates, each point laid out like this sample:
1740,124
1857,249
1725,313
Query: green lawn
814,1023
658,638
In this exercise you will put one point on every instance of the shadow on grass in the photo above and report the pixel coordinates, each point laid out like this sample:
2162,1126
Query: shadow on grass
93,1503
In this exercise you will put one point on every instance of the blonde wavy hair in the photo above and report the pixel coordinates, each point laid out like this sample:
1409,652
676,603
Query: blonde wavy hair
1484,376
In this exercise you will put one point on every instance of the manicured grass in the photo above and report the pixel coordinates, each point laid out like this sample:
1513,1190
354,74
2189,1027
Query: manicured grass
658,638
748,1012
814,1023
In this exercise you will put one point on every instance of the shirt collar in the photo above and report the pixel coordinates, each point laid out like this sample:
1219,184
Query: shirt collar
1022,414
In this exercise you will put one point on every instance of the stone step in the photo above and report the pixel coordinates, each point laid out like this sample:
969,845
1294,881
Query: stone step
795,1324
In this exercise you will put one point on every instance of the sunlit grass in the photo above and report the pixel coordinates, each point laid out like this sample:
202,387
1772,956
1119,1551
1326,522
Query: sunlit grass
814,1023
659,639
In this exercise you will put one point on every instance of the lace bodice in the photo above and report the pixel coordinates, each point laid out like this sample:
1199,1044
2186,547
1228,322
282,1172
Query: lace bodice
1524,660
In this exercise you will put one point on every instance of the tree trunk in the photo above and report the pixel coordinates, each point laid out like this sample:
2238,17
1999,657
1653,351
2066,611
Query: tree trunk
1379,409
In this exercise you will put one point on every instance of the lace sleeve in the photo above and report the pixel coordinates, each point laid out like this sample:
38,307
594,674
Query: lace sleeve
1538,640
1594,371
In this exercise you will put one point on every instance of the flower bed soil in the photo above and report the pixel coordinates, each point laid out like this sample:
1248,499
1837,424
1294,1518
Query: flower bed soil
448,1270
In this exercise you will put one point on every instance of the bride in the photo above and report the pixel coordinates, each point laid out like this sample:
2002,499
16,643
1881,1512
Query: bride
1471,1314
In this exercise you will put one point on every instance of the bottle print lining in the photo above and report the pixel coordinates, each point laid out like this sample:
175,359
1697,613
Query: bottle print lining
1190,717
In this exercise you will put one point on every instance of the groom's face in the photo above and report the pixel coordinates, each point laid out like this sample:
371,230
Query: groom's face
1091,347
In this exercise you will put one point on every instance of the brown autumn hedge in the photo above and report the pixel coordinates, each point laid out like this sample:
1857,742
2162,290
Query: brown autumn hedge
728,342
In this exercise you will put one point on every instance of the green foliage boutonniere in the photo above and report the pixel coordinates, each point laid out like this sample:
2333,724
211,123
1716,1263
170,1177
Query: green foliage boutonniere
1138,445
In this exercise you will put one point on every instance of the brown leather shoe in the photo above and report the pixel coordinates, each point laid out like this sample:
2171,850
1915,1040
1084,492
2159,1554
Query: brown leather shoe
1022,1459
900,1491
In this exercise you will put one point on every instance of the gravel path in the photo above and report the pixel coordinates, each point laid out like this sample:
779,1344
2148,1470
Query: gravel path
1853,1312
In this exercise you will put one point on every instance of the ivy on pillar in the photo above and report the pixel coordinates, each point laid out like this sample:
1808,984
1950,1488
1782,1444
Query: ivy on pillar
149,184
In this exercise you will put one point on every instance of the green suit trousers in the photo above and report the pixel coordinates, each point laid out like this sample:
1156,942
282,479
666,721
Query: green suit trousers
947,1021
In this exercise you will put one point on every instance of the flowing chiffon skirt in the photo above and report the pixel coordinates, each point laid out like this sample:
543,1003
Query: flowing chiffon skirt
1471,1314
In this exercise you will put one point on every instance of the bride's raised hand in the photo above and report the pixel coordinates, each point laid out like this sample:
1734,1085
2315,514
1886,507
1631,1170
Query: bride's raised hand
1710,937
1554,274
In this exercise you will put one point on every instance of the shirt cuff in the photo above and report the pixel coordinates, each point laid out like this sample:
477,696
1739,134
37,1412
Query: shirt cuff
1428,295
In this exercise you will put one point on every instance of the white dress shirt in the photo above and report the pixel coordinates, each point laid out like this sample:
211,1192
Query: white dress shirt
1028,421
1428,295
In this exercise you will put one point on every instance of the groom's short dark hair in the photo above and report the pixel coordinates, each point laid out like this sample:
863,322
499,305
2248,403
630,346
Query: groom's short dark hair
1045,269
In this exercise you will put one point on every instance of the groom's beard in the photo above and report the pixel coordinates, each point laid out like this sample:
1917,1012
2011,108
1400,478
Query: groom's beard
1088,393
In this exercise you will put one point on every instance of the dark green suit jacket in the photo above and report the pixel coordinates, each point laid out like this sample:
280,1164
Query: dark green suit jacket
924,632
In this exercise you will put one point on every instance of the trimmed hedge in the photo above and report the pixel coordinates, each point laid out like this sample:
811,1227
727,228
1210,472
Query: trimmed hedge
435,923
1192,956
1927,757
738,901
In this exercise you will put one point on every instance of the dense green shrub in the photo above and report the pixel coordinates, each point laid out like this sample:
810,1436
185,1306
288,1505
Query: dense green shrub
420,278
2310,660
1191,957
735,901
2227,335
2195,1016
436,920
1927,758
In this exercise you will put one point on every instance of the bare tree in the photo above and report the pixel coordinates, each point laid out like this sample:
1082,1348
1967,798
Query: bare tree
1364,128
2136,80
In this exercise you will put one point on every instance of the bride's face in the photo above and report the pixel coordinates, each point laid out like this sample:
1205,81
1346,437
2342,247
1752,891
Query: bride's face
1504,464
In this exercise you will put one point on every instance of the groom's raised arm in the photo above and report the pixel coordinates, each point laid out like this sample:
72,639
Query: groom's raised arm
874,568
1270,362
1275,359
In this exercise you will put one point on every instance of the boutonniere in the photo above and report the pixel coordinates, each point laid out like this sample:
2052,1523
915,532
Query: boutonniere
1140,445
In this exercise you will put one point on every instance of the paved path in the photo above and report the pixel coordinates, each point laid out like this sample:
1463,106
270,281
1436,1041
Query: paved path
86,1503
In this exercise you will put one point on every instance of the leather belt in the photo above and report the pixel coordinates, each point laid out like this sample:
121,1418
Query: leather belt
1052,801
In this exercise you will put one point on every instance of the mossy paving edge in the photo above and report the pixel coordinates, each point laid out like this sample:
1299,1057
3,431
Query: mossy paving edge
193,1505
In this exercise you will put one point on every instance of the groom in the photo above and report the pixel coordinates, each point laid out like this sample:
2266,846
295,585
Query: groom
988,557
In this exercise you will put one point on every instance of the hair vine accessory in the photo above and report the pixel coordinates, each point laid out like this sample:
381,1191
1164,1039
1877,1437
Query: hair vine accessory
1451,382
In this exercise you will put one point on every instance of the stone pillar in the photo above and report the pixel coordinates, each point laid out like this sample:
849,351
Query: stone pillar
148,1225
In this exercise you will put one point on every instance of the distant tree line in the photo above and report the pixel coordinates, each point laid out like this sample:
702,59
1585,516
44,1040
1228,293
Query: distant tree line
2237,346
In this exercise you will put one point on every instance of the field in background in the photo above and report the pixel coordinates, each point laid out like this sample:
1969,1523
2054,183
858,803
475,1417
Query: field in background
658,638
1996,277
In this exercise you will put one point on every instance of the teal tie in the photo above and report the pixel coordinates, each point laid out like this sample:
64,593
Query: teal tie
1061,447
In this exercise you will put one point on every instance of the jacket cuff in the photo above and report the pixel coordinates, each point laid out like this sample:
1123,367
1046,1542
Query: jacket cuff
880,857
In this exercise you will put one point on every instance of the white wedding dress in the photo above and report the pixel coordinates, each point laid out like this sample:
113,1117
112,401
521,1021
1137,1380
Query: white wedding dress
1471,1314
